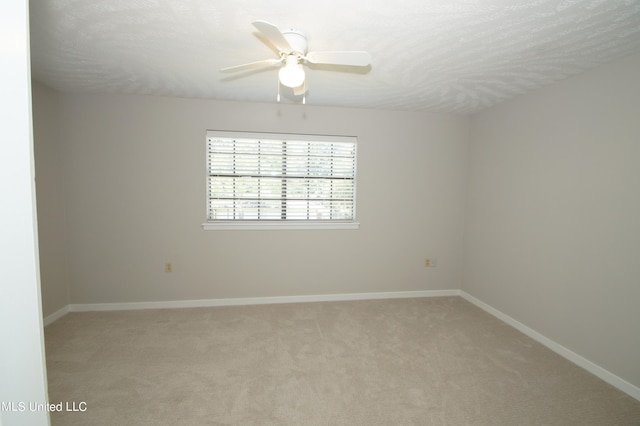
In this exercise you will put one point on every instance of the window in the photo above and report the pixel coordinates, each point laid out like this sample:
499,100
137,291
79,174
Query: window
268,180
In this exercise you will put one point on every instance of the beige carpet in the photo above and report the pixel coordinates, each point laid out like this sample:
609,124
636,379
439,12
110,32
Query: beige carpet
431,361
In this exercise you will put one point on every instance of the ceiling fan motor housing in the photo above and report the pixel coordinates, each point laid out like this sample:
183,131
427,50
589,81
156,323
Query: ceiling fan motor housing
297,40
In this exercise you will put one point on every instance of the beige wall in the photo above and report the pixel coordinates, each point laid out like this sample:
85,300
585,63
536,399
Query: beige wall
553,215
135,198
52,228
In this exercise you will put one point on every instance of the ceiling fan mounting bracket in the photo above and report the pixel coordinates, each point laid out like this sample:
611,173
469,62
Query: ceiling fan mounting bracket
297,40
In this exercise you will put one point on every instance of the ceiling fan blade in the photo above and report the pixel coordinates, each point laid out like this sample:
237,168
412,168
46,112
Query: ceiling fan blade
355,58
251,65
273,34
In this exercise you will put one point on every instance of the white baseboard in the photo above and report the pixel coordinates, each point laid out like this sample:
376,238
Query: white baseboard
258,300
594,369
56,315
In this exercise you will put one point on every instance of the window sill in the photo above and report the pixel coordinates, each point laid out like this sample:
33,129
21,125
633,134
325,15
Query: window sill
268,225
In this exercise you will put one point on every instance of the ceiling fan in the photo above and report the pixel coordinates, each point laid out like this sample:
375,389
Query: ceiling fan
292,48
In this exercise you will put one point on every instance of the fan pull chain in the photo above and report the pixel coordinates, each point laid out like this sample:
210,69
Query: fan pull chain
278,97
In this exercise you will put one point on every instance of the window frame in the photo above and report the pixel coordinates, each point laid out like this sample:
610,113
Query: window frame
270,224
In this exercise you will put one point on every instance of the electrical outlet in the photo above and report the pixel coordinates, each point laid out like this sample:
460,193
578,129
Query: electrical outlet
430,262
168,267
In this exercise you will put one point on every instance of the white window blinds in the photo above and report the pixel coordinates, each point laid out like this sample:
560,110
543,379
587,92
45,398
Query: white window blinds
276,177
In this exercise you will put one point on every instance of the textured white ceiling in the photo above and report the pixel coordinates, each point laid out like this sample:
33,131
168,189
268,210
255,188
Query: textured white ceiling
455,56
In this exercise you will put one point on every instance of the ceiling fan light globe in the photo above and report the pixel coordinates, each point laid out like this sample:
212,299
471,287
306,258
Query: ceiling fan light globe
291,76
